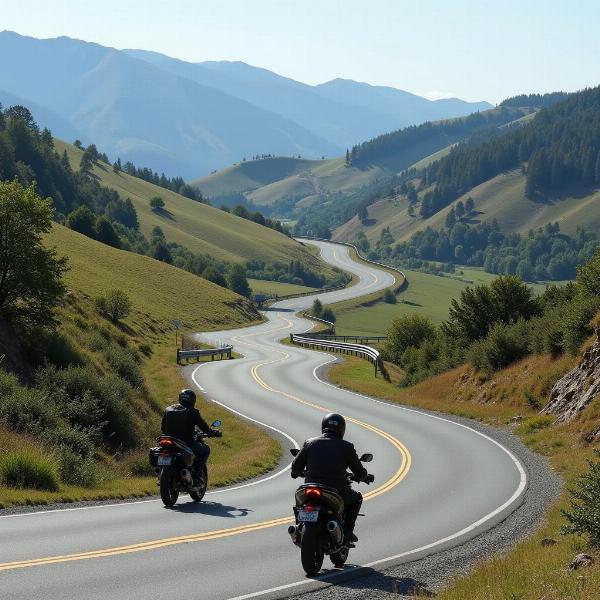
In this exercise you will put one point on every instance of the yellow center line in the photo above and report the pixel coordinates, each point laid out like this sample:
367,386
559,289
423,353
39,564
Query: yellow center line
222,533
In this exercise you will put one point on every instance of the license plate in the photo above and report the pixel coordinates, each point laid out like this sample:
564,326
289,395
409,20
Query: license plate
164,461
305,516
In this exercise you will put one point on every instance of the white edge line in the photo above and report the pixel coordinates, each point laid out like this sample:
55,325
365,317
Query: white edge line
517,493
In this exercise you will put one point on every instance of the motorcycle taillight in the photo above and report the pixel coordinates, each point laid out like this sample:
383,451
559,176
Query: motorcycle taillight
165,442
315,492
309,508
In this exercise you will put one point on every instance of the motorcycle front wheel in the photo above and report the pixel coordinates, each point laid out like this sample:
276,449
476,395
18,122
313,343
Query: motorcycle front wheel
168,493
197,495
311,553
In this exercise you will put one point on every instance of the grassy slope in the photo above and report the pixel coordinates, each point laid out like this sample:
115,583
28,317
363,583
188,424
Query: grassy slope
160,291
196,226
275,288
303,179
529,571
502,197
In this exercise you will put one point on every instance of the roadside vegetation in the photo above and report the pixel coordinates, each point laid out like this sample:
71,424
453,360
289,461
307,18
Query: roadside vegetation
88,362
497,365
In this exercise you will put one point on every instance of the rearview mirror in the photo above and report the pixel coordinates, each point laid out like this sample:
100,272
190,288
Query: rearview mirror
294,451
366,458
216,423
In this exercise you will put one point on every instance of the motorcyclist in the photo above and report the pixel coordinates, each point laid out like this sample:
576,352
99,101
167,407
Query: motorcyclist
180,421
325,460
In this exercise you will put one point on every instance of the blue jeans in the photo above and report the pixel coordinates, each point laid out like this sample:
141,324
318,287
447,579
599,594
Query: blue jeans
201,452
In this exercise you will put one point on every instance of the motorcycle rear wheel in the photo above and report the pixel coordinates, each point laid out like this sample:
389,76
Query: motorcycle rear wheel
168,493
197,495
311,553
339,558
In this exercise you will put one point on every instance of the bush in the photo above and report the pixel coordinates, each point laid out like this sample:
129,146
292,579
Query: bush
77,470
584,514
115,306
60,351
126,364
503,345
406,331
23,469
317,308
389,297
28,411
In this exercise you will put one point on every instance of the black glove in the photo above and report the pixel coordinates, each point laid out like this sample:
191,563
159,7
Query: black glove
369,478
215,433
294,475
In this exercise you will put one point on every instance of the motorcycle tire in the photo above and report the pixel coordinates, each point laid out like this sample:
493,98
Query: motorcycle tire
339,558
197,495
168,493
311,553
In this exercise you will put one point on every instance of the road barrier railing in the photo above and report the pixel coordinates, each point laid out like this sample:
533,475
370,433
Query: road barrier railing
357,339
362,350
223,352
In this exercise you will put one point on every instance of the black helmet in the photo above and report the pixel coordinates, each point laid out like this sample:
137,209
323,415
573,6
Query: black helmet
334,423
187,397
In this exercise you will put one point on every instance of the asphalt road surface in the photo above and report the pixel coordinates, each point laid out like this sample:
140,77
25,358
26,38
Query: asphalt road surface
437,483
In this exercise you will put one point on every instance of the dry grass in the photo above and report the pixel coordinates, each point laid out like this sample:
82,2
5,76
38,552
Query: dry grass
529,571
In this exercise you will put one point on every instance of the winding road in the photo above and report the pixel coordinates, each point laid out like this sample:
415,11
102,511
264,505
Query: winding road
437,484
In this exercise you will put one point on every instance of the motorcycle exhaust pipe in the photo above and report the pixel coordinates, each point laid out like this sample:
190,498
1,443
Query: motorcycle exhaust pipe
186,475
335,531
293,533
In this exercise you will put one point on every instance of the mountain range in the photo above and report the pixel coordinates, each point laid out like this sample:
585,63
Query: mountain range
189,119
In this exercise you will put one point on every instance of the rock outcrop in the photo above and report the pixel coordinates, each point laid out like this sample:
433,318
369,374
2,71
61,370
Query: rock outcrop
578,388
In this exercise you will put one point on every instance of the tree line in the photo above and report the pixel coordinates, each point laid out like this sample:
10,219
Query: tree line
560,146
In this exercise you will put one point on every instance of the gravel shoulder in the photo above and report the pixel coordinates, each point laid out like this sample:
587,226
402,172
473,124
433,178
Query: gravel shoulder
428,575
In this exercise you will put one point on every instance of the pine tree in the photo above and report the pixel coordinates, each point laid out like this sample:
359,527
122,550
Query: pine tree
597,169
460,210
470,205
451,219
347,157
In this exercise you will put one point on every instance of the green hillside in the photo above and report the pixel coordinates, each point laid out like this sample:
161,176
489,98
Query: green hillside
502,197
274,180
159,291
199,227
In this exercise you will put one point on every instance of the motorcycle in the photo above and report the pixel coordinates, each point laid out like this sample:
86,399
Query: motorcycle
319,529
173,461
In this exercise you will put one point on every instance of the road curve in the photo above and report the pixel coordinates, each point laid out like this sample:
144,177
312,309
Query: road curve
437,484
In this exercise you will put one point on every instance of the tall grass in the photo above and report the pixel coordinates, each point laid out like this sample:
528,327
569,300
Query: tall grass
24,469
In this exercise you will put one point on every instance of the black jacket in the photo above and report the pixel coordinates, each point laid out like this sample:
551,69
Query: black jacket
179,421
326,460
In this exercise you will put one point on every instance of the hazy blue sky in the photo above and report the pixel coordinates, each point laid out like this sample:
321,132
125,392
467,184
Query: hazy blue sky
476,50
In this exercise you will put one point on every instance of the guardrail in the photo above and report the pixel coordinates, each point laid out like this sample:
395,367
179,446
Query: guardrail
371,354
358,339
198,353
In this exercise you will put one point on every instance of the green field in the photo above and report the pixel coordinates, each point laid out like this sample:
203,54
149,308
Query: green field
158,290
199,227
274,288
428,295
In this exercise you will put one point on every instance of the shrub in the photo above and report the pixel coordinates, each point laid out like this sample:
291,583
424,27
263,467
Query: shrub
389,297
60,351
317,308
23,469
78,441
503,345
406,331
125,363
584,514
115,306
77,470
29,411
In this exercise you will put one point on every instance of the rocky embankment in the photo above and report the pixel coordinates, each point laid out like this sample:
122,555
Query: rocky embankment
577,389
